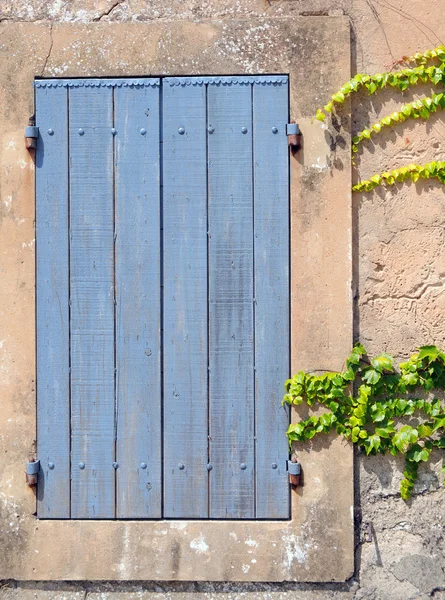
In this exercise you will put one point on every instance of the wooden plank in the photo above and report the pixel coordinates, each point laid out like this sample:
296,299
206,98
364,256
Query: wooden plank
231,301
53,418
272,333
92,301
138,295
185,300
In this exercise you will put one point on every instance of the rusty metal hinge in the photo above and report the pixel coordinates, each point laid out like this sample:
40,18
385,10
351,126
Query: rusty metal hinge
32,470
294,469
31,134
293,136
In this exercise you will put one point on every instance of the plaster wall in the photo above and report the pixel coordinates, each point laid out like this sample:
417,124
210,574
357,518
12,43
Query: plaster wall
398,284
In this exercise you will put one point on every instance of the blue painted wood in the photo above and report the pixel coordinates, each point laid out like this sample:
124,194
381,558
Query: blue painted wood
272,331
53,418
138,295
230,212
92,302
185,300
210,319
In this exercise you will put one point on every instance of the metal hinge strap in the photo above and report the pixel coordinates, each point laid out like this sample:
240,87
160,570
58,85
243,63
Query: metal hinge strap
31,135
292,129
294,468
32,471
32,468
293,136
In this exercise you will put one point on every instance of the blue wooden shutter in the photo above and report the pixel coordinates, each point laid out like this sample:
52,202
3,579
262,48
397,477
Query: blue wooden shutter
162,298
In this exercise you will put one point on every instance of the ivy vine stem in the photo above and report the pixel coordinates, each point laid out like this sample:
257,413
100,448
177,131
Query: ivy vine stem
413,172
418,109
402,79
374,418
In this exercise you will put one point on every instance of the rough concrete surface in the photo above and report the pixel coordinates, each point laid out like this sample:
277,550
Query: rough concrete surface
399,270
316,544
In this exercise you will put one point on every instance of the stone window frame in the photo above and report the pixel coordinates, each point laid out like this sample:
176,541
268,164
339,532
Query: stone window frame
317,544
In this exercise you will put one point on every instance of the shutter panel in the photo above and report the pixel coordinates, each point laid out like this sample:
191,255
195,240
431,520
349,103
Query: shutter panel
162,298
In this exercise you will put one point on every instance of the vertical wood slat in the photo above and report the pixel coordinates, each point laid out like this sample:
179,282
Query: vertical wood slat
231,401
92,302
138,295
272,334
52,317
185,300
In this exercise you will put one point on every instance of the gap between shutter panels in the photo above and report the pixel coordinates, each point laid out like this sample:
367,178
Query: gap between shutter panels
213,120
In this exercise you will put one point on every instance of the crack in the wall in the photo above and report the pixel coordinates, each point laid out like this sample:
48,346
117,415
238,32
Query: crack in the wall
394,296
50,49
108,12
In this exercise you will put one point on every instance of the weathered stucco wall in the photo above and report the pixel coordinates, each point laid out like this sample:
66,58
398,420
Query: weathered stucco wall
399,270
316,544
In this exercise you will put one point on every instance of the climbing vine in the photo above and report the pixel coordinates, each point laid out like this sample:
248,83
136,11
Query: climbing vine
418,109
422,108
385,413
435,169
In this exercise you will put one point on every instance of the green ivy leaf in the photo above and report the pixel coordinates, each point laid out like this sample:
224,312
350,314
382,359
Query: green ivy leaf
383,432
407,110
429,352
373,442
410,378
425,430
339,97
383,362
372,376
417,453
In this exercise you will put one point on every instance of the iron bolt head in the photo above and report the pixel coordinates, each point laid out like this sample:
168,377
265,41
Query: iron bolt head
181,131
81,465
114,131
142,131
143,465
81,131
50,131
209,467
243,129
243,466
210,129
274,466
115,465
274,129
51,465
181,467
